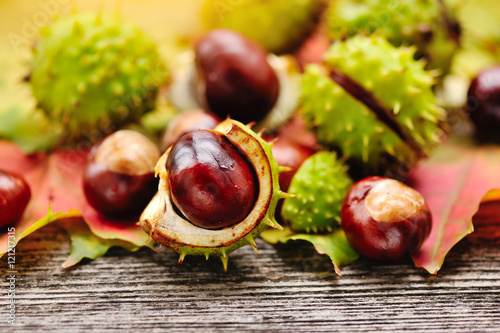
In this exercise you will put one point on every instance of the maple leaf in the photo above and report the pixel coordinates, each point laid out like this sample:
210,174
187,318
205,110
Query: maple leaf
55,180
454,181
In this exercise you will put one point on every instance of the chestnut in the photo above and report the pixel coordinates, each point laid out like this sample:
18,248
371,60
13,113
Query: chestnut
483,104
211,182
15,195
186,122
234,76
118,179
385,219
208,180
289,154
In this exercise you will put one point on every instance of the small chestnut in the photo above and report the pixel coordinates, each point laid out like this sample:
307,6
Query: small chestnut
483,103
186,122
234,77
15,195
119,177
289,154
384,219
211,182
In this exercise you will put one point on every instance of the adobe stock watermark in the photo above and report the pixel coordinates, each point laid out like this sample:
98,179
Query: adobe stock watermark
19,41
11,275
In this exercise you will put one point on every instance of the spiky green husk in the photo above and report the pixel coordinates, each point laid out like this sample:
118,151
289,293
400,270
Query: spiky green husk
396,80
279,26
95,72
427,24
320,186
154,223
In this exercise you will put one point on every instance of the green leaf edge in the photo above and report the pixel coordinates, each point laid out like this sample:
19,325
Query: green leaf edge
341,253
77,239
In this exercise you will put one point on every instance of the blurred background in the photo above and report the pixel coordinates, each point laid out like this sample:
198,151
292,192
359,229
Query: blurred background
174,26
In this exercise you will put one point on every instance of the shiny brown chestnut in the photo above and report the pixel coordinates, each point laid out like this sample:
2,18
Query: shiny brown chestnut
384,219
119,179
187,122
289,154
15,195
483,104
234,77
211,182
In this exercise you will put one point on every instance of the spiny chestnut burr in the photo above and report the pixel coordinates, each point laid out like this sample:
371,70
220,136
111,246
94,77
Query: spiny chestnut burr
384,219
15,195
374,104
119,177
234,76
483,104
289,154
211,182
92,71
186,122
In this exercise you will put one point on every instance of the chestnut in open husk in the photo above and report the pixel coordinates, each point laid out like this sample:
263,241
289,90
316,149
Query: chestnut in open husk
211,182
230,75
218,191
15,195
385,219
119,179
233,75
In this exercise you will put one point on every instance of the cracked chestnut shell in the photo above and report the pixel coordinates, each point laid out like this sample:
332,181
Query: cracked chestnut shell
483,104
234,76
15,195
186,122
384,219
119,180
211,182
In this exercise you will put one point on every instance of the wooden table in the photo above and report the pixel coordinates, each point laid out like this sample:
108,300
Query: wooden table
289,288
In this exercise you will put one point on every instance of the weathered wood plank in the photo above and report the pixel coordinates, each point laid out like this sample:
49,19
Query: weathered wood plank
289,288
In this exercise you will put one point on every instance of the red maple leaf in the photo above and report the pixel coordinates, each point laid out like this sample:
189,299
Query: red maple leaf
454,181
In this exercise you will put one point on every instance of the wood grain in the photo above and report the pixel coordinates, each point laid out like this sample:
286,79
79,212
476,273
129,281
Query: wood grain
289,288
